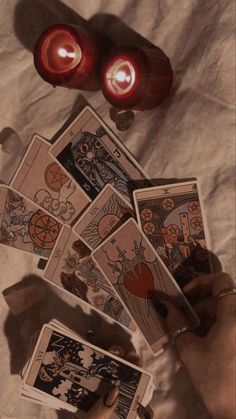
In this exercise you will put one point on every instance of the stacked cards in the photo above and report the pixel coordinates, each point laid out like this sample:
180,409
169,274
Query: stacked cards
65,372
110,237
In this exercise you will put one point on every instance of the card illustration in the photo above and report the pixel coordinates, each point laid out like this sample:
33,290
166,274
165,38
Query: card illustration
25,226
106,212
137,274
93,156
71,268
78,374
171,218
41,179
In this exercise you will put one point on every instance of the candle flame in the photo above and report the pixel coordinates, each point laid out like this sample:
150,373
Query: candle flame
63,53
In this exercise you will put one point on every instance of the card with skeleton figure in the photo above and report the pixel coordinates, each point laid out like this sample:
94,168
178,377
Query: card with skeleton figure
94,156
172,219
71,268
107,212
41,179
76,374
24,225
138,274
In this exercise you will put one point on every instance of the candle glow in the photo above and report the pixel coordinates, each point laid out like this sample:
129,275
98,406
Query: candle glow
121,77
61,52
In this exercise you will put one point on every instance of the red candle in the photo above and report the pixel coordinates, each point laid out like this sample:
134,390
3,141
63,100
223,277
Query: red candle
70,56
134,78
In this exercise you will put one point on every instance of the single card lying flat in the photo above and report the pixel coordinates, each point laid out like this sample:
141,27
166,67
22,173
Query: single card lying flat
107,212
76,374
24,225
171,217
94,156
138,275
71,269
41,179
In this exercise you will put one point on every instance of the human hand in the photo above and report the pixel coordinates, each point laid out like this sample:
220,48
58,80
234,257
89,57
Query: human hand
105,406
209,353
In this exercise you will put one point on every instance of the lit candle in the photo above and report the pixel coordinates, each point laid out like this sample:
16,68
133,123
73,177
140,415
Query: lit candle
70,56
137,79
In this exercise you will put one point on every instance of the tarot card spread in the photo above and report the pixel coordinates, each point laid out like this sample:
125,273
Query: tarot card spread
107,212
137,274
24,225
71,269
93,156
171,218
78,374
42,180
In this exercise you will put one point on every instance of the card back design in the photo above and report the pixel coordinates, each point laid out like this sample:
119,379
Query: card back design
79,374
137,274
93,156
41,179
24,225
72,269
107,212
171,217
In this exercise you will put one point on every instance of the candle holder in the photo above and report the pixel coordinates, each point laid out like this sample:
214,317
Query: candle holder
70,56
135,78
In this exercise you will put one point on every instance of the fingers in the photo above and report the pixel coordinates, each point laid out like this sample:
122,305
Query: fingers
213,284
226,306
186,341
105,406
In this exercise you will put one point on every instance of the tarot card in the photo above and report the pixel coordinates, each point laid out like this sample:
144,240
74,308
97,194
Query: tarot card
107,212
172,219
71,269
137,274
94,156
78,373
41,179
24,225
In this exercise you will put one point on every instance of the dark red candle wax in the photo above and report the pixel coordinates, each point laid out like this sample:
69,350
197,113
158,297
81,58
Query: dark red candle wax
70,56
136,79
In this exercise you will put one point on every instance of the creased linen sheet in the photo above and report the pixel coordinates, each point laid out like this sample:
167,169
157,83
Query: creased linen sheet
191,135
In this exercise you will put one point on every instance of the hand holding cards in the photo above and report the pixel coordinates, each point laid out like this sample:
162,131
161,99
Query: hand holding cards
71,203
65,372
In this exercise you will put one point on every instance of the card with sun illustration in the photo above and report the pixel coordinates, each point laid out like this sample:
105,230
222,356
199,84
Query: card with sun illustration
172,218
40,178
71,268
138,275
106,213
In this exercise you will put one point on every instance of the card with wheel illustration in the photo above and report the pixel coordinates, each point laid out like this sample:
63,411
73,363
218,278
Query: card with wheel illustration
137,274
24,225
71,268
107,212
172,218
76,373
94,156
40,178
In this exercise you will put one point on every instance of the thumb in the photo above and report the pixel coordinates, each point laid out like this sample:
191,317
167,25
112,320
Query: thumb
185,342
105,406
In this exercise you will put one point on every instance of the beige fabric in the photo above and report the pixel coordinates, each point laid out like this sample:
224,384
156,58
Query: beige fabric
191,135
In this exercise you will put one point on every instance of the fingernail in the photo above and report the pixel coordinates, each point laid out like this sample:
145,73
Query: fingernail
111,397
161,309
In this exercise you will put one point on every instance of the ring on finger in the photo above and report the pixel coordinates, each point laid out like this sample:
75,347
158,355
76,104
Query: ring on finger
226,292
180,331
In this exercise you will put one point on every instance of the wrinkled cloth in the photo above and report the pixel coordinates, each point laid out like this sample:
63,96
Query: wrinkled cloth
191,135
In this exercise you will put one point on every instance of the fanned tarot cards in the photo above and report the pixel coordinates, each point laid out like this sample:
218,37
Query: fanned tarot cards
171,217
41,179
137,274
94,156
24,225
71,269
